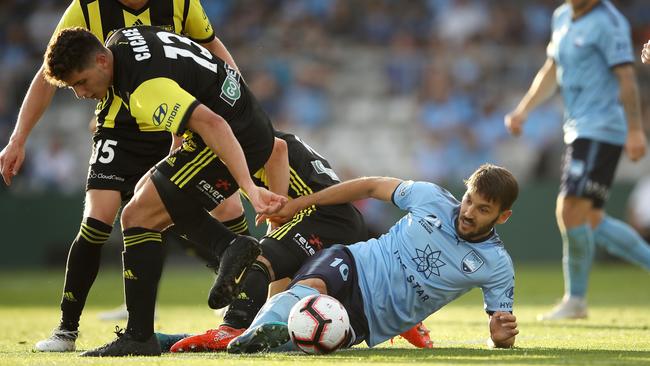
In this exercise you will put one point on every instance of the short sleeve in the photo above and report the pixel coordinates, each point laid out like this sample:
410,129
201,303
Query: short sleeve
162,102
197,24
499,291
615,43
73,17
551,48
410,195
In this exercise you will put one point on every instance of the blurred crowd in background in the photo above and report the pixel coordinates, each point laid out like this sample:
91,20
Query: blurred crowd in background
413,88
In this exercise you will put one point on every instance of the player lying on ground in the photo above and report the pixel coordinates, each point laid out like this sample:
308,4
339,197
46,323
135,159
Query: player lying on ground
287,247
440,250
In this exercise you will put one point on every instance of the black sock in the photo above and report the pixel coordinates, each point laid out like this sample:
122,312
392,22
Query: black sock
203,250
205,230
81,269
143,261
171,236
243,309
238,225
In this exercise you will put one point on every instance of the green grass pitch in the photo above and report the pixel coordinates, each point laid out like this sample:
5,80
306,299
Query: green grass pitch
616,333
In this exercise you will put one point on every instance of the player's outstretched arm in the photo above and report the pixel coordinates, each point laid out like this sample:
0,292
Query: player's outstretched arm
381,188
503,329
36,101
542,88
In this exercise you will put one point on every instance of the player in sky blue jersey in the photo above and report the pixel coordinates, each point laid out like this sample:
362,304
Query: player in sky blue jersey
438,251
590,59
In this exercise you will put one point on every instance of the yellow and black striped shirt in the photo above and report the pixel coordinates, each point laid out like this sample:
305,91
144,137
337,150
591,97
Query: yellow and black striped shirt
103,17
308,170
161,77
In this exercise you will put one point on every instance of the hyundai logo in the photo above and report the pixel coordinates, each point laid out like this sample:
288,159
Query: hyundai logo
159,114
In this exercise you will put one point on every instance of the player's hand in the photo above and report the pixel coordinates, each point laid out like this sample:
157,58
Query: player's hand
282,215
265,201
514,122
645,53
635,145
11,159
503,326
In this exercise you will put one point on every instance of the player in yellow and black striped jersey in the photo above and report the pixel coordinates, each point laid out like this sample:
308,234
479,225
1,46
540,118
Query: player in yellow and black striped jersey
169,81
115,125
162,78
118,160
286,248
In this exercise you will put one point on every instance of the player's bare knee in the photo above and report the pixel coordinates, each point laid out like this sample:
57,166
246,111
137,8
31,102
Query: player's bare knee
229,209
573,211
102,205
129,215
315,283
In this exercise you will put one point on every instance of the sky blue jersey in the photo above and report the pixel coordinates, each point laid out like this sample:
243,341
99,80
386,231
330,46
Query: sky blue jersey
421,264
585,50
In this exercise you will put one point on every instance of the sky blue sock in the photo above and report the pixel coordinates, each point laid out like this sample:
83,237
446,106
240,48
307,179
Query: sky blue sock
278,307
578,255
619,239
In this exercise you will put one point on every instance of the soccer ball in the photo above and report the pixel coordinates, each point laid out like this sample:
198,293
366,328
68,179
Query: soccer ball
319,324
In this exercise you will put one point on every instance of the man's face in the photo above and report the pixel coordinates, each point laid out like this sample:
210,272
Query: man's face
93,81
478,216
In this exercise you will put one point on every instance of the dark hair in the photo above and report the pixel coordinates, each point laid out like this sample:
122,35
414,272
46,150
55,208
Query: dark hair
70,51
495,184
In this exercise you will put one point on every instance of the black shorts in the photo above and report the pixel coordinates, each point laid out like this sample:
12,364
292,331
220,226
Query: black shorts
588,170
336,267
311,230
198,175
120,159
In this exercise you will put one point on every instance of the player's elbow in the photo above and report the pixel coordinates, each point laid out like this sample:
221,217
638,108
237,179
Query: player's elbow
280,149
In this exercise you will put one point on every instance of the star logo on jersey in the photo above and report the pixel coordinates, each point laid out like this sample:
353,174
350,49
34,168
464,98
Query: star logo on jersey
159,114
428,261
